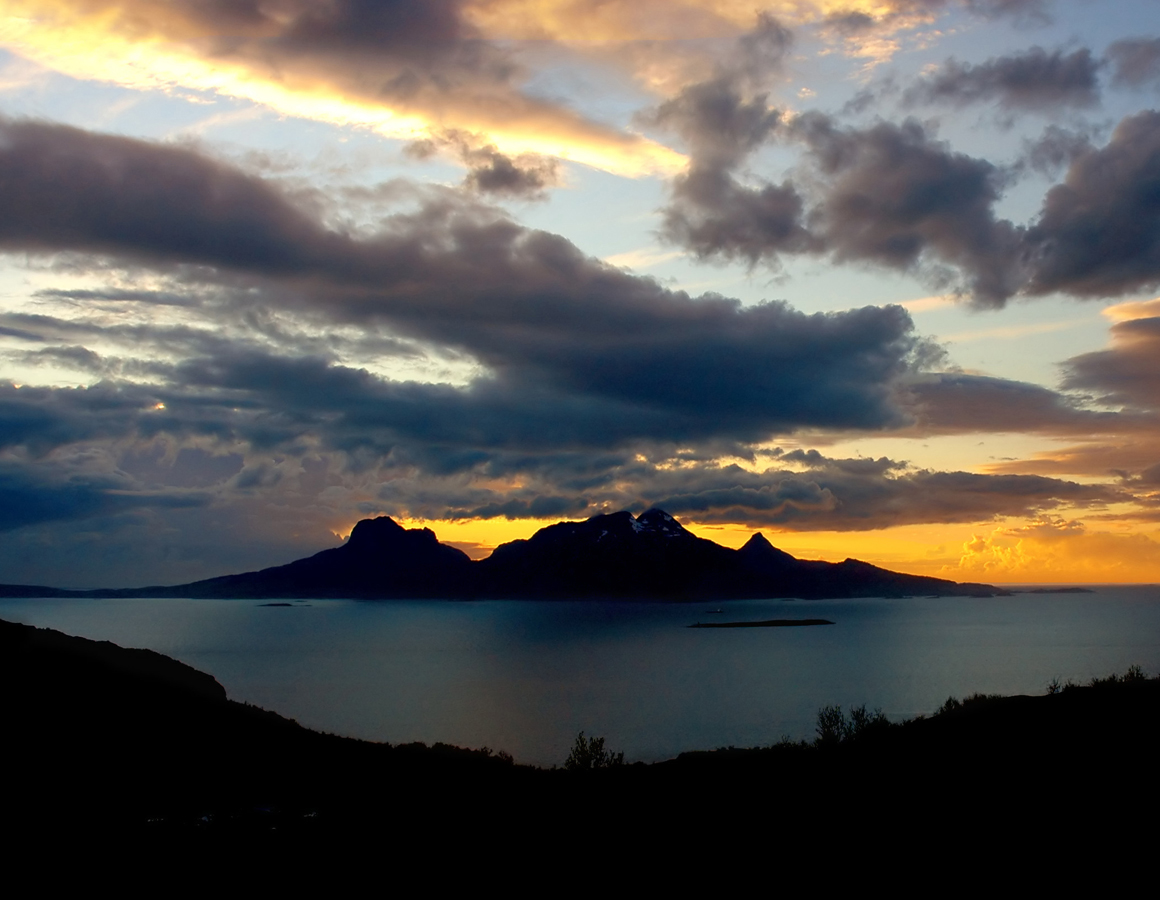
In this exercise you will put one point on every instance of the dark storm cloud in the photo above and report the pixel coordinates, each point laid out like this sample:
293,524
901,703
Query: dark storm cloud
548,322
75,357
1135,61
441,451
41,419
891,195
28,497
714,216
599,390
64,188
743,376
156,464
1099,232
847,503
1032,80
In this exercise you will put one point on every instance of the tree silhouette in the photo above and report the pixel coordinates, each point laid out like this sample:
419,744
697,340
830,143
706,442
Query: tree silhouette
589,753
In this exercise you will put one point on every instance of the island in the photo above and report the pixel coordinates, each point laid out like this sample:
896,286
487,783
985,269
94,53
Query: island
616,556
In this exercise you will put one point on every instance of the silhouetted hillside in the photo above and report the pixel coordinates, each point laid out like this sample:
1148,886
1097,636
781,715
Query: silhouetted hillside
650,556
103,742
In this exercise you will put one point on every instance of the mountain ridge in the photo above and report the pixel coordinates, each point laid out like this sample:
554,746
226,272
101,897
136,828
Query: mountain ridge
609,556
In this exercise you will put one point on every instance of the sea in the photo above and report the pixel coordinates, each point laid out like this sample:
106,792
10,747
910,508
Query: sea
526,677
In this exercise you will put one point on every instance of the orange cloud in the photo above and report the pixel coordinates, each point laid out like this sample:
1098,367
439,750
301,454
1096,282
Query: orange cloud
1054,550
281,59
318,61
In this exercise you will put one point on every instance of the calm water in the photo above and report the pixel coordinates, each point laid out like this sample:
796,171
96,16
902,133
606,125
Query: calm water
526,676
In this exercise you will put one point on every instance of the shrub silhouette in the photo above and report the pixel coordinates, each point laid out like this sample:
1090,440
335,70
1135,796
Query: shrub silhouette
834,727
589,753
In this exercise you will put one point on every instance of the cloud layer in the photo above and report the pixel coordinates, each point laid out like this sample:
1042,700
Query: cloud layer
214,348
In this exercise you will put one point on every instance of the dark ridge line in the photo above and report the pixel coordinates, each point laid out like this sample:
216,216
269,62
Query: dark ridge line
764,623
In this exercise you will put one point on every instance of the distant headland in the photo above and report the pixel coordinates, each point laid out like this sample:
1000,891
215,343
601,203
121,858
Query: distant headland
616,556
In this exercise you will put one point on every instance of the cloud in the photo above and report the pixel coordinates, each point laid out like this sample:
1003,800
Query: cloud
895,197
806,491
821,493
1056,149
1031,80
410,70
957,403
1098,234
1053,549
553,328
1023,10
722,121
490,172
602,22
1128,373
714,216
65,188
1135,61
889,195
27,497
1124,376
593,389
400,67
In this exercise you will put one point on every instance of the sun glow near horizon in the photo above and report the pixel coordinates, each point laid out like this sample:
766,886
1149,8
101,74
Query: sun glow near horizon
1043,552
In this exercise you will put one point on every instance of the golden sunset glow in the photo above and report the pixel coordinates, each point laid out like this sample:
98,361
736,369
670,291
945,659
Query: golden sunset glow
1049,551
155,50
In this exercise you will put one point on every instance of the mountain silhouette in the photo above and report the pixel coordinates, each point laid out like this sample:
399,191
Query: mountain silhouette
621,556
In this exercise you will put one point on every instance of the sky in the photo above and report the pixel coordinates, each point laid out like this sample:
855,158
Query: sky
877,278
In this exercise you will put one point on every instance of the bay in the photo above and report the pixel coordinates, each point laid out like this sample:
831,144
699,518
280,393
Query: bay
526,676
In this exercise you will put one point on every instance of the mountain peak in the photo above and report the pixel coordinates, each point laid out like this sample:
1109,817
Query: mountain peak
369,532
660,521
758,541
758,548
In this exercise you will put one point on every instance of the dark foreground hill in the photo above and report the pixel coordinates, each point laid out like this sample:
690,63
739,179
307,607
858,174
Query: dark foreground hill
650,556
102,743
